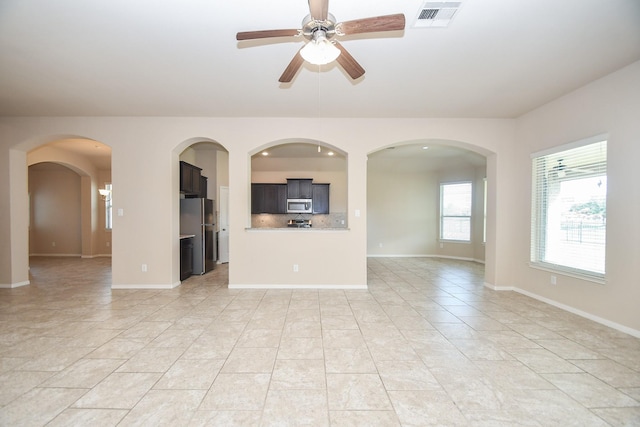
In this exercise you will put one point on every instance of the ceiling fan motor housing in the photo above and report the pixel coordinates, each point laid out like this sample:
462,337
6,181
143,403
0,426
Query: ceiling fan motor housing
310,26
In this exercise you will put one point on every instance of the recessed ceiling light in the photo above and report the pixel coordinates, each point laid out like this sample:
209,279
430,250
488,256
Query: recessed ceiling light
425,148
330,153
264,153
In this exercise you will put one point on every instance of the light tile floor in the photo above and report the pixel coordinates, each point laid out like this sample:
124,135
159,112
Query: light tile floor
427,344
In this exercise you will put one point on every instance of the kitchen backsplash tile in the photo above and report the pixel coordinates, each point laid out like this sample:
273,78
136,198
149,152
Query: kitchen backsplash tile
332,220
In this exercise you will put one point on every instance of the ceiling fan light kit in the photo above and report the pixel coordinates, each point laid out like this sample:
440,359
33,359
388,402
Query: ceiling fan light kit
318,28
319,50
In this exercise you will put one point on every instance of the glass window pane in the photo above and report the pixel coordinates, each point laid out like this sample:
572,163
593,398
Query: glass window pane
569,211
455,211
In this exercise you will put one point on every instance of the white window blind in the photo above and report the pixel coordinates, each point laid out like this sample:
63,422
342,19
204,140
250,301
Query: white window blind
569,208
455,211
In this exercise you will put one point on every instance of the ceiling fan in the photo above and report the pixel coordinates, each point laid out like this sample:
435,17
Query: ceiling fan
561,169
319,28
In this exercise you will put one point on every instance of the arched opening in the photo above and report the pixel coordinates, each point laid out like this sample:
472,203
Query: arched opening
67,215
427,198
203,180
311,172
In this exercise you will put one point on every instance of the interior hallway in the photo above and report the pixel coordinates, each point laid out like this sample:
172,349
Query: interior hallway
427,344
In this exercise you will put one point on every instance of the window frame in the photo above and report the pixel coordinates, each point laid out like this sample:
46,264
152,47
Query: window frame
108,208
539,213
442,216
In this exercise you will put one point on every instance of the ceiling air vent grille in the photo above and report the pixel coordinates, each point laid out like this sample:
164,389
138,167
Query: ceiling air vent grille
436,14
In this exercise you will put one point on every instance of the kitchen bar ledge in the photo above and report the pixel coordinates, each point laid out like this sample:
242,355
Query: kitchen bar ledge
296,229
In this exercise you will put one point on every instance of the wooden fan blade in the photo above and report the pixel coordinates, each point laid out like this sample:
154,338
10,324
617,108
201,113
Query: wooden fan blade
372,25
319,9
292,68
348,63
264,34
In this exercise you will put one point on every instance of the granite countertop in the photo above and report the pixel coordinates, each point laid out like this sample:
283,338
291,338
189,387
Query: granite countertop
297,229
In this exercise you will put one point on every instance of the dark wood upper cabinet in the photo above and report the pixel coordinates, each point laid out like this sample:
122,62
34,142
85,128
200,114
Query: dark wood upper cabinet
203,186
320,198
299,188
272,198
189,179
268,198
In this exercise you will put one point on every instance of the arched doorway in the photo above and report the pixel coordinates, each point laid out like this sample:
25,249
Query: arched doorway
68,217
211,160
406,183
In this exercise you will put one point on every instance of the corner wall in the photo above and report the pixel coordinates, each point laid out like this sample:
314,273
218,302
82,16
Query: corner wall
607,106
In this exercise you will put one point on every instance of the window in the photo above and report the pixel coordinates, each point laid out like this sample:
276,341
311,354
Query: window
108,208
484,220
569,209
455,211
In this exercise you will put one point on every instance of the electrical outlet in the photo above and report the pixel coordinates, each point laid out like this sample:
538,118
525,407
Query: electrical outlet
53,244
295,268
108,244
380,244
554,280
144,268
441,245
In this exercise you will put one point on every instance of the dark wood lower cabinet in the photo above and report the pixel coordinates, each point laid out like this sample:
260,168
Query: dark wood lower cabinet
186,258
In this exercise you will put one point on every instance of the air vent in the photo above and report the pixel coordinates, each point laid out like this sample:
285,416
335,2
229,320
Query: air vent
436,14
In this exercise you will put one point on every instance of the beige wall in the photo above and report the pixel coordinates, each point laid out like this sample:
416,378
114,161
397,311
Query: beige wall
610,106
55,226
404,213
145,153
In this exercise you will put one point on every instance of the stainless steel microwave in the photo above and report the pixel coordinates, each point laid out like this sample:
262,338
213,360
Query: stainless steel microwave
299,206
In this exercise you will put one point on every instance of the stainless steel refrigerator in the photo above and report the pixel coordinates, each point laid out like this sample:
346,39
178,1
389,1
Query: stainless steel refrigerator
197,217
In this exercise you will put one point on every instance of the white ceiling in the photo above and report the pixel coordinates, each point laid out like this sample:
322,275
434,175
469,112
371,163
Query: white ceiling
498,58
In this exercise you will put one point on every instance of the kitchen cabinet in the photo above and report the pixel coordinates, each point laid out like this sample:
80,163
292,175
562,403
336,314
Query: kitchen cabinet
189,179
186,257
320,198
268,198
203,186
299,188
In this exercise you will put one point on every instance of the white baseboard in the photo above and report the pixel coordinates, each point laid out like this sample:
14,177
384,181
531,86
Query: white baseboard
14,285
307,287
498,288
58,255
597,319
480,261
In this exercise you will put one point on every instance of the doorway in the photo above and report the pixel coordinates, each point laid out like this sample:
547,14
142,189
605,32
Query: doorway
68,217
405,216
